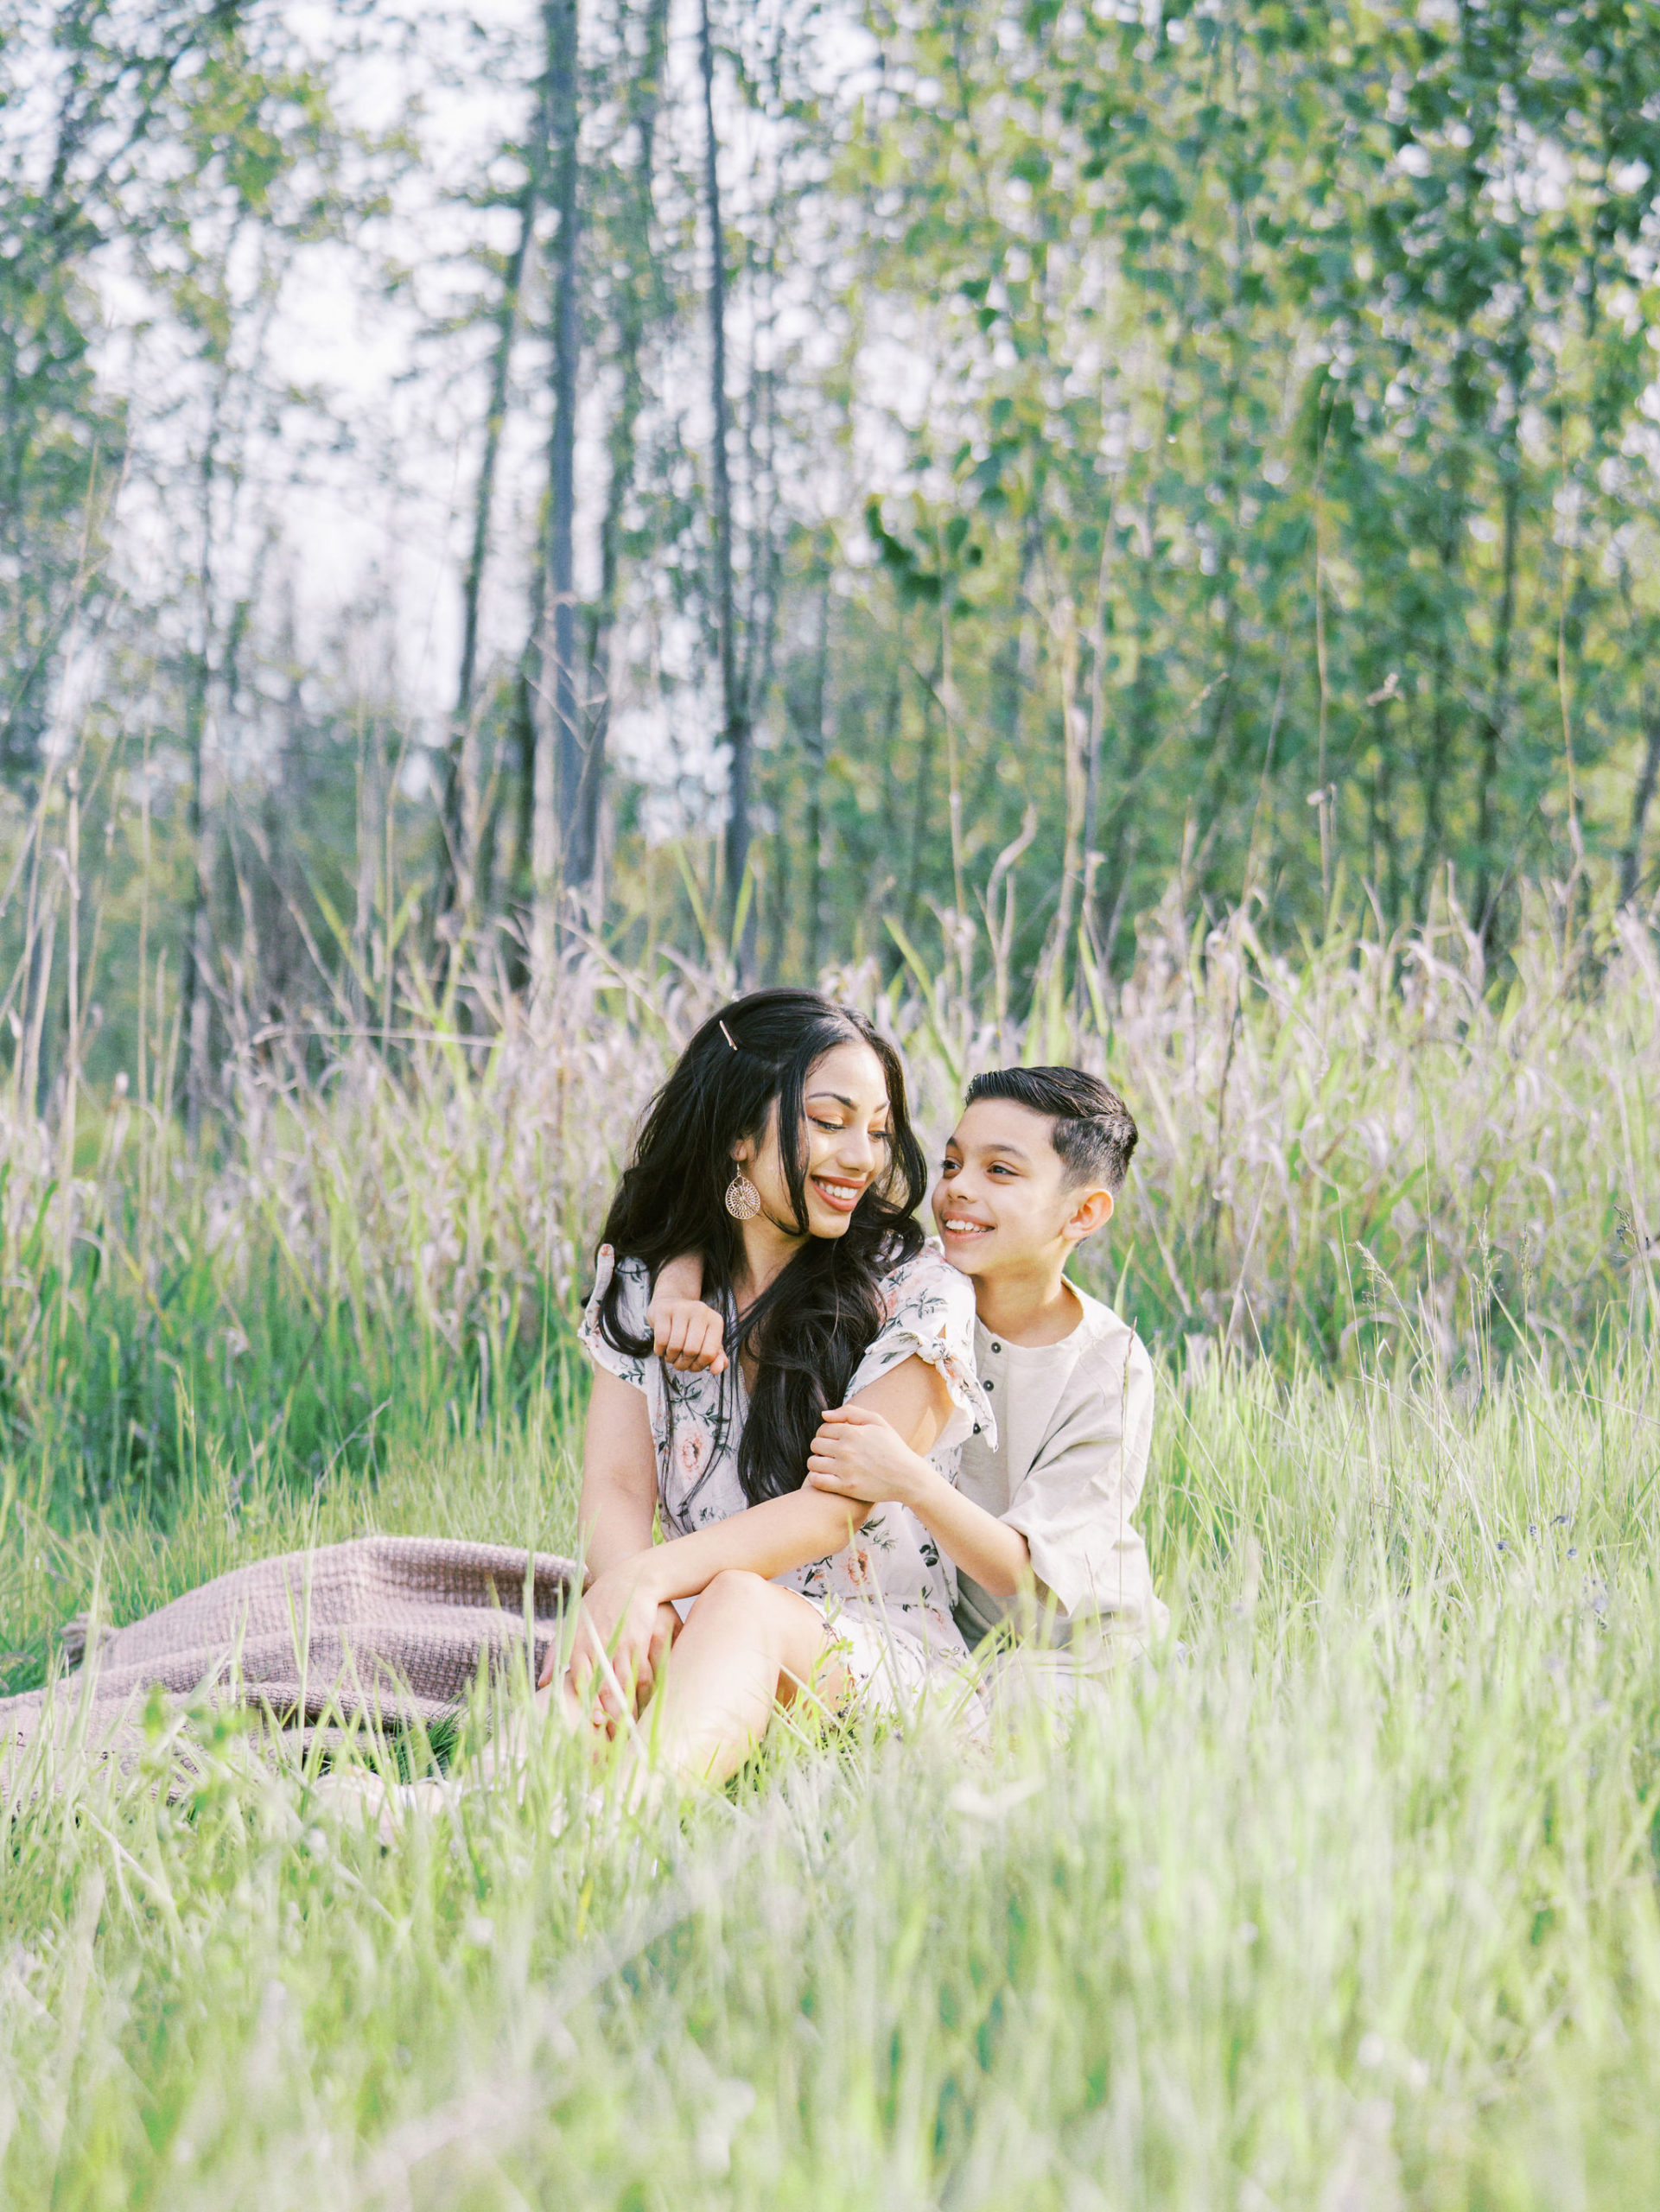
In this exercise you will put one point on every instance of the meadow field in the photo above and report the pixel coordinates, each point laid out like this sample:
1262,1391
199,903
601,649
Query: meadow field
1347,1900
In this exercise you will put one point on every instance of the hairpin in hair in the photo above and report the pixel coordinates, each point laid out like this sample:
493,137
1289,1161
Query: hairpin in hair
730,1039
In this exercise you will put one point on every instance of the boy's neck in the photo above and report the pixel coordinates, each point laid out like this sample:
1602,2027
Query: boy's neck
1031,1304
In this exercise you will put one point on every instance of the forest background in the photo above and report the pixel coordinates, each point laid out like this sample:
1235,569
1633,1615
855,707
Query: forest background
1079,524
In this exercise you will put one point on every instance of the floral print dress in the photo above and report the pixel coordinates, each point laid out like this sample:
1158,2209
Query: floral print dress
886,1599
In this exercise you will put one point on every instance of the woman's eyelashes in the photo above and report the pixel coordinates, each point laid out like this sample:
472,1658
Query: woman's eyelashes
835,1129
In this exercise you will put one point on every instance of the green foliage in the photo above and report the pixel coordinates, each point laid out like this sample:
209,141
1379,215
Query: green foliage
1304,359
1223,438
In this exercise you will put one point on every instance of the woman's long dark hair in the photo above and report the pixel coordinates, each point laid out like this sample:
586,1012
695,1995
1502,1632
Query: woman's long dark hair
810,1328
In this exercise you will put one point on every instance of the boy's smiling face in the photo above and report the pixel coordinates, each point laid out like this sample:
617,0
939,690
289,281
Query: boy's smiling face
1004,1200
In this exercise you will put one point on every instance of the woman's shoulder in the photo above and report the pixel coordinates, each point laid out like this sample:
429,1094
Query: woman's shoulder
926,1277
928,1314
633,1293
628,1271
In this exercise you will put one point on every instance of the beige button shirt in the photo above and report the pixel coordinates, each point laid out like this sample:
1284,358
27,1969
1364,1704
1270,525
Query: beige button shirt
1074,1422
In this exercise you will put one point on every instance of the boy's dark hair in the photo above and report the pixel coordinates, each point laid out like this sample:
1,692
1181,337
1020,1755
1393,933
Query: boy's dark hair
1091,1127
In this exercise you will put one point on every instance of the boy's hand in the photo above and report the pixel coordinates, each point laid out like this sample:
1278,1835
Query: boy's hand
856,1454
686,1334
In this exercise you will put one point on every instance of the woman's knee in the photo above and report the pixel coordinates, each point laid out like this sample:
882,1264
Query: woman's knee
735,1589
741,1609
737,1605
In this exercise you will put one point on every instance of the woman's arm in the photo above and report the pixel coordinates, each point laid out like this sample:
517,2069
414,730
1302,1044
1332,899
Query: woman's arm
619,1497
806,1524
767,1540
615,1520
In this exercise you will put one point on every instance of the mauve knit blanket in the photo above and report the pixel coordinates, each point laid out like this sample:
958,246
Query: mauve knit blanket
392,1628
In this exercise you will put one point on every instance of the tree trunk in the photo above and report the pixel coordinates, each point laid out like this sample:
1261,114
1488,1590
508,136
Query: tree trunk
1630,861
558,765
196,950
1141,718
1491,871
881,877
1385,839
1098,684
371,831
775,961
734,707
1074,776
195,1010
818,749
1432,850
1325,812
923,814
285,788
583,859
526,745
457,887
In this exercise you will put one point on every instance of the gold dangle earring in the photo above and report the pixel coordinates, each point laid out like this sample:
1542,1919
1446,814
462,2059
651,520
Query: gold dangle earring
742,1198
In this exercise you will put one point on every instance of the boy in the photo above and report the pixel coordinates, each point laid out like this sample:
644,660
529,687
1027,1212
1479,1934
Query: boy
1039,1526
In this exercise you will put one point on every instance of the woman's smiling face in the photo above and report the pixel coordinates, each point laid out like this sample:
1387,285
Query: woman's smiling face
844,1138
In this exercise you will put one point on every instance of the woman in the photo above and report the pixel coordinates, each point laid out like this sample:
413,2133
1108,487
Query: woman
780,1151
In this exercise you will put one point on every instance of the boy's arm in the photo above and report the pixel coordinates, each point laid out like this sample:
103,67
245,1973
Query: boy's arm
628,1617
856,1454
686,1334
808,1523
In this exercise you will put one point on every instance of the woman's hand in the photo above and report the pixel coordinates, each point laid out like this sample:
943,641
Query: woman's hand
624,1631
687,1335
857,1455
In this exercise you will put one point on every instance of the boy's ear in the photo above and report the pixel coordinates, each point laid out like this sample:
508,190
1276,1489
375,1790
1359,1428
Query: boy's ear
1093,1210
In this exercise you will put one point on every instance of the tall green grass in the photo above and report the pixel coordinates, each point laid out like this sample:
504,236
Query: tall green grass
1360,1139
1346,1901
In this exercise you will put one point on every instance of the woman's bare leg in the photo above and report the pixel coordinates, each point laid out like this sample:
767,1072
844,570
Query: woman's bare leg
747,1647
